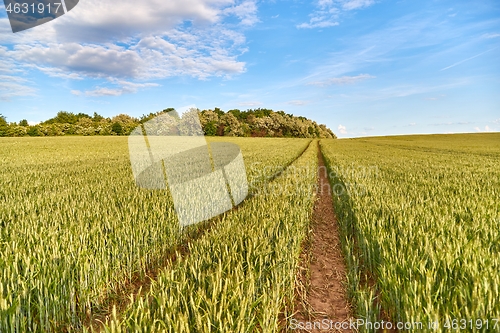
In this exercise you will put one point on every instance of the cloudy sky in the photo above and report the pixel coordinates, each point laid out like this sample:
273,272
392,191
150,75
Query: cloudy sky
363,67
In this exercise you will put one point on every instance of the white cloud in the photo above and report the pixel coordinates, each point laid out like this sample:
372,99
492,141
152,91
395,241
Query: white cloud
413,33
104,20
104,92
108,21
58,72
121,87
251,103
470,58
92,60
486,129
342,129
198,54
318,22
298,102
327,12
138,41
246,12
356,4
342,80
14,86
491,35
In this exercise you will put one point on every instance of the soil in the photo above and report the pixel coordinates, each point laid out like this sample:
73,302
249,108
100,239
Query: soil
323,294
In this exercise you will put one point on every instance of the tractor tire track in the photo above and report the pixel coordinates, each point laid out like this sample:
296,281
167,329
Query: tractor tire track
321,295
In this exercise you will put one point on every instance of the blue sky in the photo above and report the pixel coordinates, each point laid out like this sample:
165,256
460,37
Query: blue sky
362,67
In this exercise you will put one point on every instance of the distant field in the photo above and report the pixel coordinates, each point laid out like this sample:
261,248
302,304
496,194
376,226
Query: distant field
421,224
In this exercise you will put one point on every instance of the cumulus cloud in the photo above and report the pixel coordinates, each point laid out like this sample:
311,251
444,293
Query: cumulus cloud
130,40
327,12
342,80
92,60
176,53
246,12
57,72
342,129
102,20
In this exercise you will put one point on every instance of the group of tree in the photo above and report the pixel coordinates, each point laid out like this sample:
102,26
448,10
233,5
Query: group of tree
250,123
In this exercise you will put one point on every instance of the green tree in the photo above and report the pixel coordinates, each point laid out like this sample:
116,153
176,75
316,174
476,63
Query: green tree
219,112
24,123
3,126
117,128
64,117
34,131
3,121
97,117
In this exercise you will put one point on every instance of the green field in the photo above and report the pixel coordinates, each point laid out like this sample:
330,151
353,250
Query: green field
419,215
421,226
74,227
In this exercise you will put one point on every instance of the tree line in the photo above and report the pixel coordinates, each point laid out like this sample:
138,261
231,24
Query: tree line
250,123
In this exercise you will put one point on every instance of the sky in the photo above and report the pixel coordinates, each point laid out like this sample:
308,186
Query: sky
362,67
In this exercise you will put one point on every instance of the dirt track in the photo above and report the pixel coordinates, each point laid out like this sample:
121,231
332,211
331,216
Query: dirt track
325,292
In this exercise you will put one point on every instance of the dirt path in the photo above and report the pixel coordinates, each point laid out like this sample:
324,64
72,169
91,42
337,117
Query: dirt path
325,292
